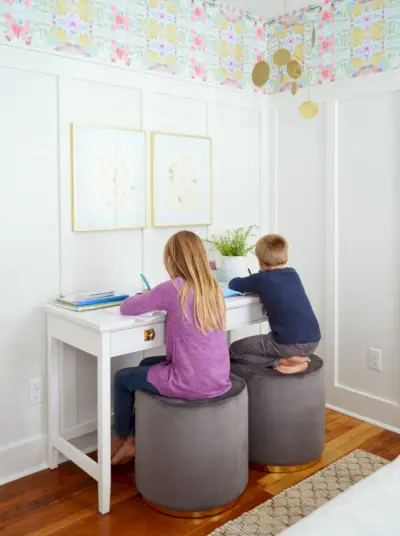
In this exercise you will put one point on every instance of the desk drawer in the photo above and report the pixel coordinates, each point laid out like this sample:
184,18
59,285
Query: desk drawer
243,316
137,339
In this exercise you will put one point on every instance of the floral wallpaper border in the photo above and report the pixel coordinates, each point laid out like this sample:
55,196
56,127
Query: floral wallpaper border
209,41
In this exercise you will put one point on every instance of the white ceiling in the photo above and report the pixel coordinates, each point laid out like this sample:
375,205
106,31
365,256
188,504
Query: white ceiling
269,9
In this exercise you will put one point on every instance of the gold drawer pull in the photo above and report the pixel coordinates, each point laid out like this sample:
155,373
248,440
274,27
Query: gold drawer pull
149,335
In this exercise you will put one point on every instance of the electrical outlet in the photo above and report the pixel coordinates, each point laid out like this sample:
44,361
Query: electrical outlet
36,391
375,359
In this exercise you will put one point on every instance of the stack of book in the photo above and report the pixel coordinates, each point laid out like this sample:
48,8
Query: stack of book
88,301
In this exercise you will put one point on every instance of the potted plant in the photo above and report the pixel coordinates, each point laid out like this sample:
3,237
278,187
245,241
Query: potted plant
233,246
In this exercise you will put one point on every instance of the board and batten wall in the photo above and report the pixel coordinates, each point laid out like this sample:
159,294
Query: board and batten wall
40,95
330,185
334,193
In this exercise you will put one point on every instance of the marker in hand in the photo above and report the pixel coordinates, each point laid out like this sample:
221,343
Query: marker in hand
146,283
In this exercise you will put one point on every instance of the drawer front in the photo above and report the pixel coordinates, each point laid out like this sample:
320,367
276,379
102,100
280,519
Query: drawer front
137,339
242,316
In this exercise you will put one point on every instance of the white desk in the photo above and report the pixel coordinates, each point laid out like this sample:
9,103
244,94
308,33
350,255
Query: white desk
105,334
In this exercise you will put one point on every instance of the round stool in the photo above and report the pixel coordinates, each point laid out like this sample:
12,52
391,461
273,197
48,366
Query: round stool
286,416
192,456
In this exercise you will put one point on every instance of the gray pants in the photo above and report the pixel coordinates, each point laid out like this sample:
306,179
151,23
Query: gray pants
264,351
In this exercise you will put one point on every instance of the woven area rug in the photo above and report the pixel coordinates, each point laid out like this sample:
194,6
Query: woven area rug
277,514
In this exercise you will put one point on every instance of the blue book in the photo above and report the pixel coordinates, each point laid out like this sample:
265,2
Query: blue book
109,299
229,293
95,301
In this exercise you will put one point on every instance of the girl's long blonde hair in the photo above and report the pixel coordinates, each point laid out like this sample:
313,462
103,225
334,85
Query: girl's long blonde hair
185,257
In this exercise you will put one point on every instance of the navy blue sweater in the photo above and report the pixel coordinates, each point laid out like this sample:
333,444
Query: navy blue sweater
291,317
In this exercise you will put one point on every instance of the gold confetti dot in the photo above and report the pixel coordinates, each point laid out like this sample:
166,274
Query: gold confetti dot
294,69
260,74
308,110
281,57
313,37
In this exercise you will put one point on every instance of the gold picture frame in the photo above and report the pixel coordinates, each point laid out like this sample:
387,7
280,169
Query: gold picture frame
74,178
188,223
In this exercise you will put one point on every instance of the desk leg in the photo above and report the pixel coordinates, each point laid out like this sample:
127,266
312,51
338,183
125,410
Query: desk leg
53,396
104,431
229,337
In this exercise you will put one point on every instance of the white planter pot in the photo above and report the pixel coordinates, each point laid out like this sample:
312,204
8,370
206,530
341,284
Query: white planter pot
234,267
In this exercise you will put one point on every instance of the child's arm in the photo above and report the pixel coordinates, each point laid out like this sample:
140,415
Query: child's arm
250,284
157,299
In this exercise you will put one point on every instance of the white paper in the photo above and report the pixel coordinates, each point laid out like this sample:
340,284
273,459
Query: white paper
109,178
182,180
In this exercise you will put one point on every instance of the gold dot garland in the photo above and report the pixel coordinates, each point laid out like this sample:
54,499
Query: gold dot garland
294,68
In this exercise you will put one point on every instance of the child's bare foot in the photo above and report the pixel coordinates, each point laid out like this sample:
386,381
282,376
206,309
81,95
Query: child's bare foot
116,444
289,361
295,368
126,453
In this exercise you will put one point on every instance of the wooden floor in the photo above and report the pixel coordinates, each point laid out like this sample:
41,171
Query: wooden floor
64,502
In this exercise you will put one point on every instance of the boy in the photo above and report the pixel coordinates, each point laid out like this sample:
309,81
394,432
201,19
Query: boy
295,332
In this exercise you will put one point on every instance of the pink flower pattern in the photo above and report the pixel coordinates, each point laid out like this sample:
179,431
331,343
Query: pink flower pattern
199,13
199,41
121,21
326,45
18,29
199,70
208,40
327,73
120,52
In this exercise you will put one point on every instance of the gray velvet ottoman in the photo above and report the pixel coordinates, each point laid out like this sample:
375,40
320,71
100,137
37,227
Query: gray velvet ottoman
286,416
192,456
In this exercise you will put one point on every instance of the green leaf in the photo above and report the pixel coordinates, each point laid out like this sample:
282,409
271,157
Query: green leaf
234,243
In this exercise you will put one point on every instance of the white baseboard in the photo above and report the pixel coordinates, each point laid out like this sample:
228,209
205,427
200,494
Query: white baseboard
83,429
22,458
29,456
365,419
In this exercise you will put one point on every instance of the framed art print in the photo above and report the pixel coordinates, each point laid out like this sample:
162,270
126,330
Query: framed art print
108,178
181,180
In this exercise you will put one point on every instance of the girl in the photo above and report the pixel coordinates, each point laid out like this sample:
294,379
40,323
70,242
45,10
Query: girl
197,361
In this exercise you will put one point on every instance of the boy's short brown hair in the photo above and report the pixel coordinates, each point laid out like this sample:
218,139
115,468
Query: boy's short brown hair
272,250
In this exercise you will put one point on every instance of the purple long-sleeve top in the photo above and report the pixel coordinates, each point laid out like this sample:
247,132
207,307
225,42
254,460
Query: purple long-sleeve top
197,365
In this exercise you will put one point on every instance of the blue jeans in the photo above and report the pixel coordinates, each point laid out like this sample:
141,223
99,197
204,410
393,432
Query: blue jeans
126,382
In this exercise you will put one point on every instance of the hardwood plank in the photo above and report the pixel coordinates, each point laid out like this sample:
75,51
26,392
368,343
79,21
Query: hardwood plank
332,417
71,507
37,491
84,512
339,421
389,448
379,444
393,453
130,517
64,502
340,426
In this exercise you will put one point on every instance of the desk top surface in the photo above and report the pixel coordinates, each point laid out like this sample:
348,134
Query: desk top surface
110,319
